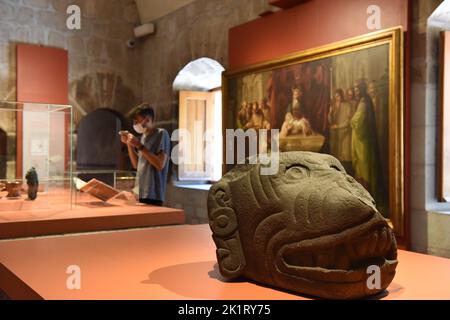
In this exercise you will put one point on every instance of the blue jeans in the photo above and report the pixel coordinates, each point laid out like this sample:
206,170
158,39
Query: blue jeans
152,202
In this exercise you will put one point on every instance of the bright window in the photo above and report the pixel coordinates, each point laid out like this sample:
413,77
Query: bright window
200,139
444,157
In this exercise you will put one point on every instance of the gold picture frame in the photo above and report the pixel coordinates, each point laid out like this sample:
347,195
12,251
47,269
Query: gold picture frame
393,40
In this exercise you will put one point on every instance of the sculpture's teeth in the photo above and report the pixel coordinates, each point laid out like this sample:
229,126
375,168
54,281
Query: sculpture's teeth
373,239
361,247
310,260
331,255
307,259
382,239
350,250
324,258
388,243
342,262
369,248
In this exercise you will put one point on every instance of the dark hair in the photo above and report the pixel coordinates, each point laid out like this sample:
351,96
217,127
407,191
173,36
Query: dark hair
143,110
340,92
362,86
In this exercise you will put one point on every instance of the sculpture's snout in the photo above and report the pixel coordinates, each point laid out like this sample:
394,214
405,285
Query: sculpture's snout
345,208
332,206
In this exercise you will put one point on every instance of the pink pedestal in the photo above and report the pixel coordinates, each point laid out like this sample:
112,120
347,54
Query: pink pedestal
165,263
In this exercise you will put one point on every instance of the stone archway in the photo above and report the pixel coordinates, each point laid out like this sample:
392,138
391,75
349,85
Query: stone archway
100,90
98,144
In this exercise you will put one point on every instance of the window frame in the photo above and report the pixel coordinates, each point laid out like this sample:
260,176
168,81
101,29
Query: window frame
444,125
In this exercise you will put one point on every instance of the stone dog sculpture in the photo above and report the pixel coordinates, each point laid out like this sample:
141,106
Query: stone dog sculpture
311,228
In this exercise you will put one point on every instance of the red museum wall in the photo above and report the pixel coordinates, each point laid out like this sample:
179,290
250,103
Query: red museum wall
42,77
42,74
308,25
316,23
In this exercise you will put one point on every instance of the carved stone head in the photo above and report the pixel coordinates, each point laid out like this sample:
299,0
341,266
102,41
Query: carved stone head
311,228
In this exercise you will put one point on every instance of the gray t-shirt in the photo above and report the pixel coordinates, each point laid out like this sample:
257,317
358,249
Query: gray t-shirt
150,182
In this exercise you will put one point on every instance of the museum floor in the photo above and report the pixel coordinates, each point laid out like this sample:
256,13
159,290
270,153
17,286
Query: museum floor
175,262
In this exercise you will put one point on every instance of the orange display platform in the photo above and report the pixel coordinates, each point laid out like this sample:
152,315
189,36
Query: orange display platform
51,215
165,263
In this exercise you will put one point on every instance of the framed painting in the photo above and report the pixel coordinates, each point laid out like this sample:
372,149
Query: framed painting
343,99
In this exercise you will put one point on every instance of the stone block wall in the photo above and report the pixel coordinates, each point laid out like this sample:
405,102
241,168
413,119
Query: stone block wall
197,30
103,72
428,218
192,201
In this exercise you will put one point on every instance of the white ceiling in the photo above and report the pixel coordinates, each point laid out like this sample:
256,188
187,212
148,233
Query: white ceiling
150,10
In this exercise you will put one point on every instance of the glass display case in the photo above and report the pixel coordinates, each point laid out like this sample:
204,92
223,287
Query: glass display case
103,188
35,136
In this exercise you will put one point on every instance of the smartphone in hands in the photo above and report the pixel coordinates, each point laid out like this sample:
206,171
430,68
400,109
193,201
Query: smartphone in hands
124,136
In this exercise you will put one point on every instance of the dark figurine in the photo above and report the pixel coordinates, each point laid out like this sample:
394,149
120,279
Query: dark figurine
33,183
311,229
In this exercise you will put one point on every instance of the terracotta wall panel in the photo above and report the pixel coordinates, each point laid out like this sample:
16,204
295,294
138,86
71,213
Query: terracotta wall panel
312,24
42,74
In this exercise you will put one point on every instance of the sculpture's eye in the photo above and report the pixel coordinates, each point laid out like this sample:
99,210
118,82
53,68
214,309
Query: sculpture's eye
297,171
335,167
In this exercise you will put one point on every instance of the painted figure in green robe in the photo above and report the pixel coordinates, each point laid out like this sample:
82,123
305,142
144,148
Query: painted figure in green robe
339,118
365,154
